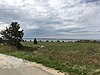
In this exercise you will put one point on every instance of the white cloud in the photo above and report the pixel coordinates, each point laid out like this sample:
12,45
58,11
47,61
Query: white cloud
31,27
59,15
3,26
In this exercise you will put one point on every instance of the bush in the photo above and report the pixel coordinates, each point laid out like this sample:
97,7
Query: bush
58,41
63,41
40,41
51,41
1,40
87,41
35,41
47,41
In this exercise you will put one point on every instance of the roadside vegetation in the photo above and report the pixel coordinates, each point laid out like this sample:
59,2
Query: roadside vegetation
74,58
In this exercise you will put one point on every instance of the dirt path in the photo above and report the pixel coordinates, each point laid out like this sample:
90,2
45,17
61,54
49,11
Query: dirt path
14,66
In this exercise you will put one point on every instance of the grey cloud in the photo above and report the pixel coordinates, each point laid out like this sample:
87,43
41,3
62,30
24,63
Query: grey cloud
89,1
83,18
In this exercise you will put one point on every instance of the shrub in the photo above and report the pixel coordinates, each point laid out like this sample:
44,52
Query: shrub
58,41
47,41
1,40
35,41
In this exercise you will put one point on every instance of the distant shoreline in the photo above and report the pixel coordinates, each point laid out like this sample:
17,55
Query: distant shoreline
55,39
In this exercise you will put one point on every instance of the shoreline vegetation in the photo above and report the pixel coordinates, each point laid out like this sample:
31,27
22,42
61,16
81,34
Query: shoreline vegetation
60,39
74,41
74,58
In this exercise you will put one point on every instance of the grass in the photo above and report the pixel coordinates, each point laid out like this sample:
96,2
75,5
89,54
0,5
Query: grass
74,58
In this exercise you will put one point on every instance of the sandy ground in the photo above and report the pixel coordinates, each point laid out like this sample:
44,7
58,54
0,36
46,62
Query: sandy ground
14,66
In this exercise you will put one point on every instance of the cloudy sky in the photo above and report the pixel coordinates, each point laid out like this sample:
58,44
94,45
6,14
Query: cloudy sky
53,18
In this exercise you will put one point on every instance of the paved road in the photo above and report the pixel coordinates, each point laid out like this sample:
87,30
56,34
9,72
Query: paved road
13,66
24,71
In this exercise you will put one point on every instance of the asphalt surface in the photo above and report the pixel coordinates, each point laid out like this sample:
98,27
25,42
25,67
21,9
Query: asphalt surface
24,71
14,66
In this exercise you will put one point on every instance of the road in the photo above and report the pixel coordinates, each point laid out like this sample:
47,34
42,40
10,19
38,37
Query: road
24,71
10,65
14,66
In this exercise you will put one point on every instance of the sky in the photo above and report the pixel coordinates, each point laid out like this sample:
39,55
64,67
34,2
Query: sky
72,19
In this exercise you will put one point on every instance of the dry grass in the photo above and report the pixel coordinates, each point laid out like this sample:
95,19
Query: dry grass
75,58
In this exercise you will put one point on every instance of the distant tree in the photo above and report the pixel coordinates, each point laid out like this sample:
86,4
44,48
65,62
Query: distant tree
95,41
13,35
51,41
35,41
30,40
58,41
23,40
1,40
40,41
47,40
62,41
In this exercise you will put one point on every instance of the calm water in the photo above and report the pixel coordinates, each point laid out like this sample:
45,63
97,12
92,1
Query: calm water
51,39
55,39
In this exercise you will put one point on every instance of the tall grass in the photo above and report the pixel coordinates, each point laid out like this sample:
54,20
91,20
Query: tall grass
74,58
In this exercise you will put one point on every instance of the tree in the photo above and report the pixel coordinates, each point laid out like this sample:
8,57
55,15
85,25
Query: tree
13,35
58,40
35,41
47,40
1,40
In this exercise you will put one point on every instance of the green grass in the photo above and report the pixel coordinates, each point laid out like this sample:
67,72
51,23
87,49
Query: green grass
74,58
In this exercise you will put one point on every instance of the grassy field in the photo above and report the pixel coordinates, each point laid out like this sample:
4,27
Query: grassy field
74,58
